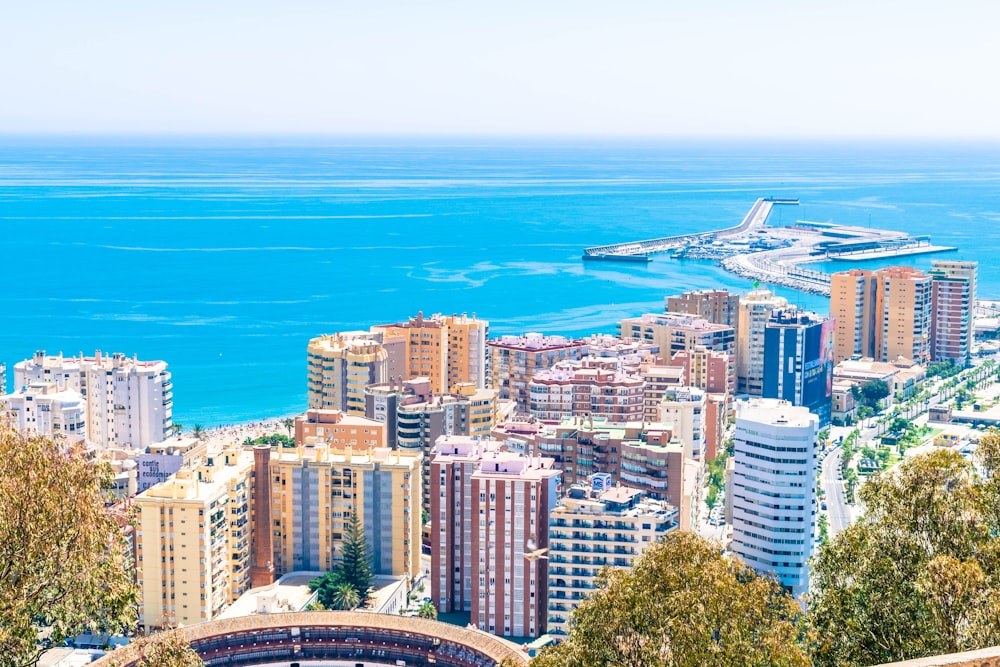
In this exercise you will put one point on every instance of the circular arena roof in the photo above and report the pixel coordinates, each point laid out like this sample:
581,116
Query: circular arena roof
356,638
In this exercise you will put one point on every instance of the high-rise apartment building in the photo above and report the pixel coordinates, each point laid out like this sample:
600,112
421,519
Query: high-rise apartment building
445,349
341,366
773,489
591,387
423,417
193,541
489,515
706,369
685,408
514,360
42,408
717,305
754,312
905,306
854,309
129,403
317,486
953,296
655,382
887,314
675,333
597,525
798,360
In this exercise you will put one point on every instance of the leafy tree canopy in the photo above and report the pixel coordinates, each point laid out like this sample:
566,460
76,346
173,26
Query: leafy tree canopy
63,553
682,604
919,573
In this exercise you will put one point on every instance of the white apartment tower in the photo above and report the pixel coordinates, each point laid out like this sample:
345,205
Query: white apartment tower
685,407
42,408
773,489
129,403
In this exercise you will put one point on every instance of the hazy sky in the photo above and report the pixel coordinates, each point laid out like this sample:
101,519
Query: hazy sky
698,67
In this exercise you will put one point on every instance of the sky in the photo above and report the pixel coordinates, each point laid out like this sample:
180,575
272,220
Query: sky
703,68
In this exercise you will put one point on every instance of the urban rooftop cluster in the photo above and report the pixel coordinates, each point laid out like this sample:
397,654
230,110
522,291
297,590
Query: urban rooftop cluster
517,466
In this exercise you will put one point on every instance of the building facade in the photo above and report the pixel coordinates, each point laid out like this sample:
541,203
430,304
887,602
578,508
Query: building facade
591,387
685,409
675,333
597,525
317,486
489,516
887,314
773,489
717,305
798,360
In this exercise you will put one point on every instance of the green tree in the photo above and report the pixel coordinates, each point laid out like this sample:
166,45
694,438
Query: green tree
428,610
289,424
871,392
681,604
176,428
164,649
919,573
356,565
63,563
198,431
344,597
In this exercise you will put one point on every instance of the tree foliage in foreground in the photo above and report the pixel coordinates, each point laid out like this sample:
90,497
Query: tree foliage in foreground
63,562
165,649
919,573
682,604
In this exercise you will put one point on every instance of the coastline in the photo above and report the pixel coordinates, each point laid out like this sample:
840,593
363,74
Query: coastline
238,433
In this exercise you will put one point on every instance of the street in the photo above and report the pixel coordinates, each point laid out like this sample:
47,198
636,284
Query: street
838,511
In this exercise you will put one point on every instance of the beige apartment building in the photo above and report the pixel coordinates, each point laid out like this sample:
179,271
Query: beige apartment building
193,541
882,314
446,349
754,311
340,367
656,380
674,333
853,304
706,369
316,487
717,305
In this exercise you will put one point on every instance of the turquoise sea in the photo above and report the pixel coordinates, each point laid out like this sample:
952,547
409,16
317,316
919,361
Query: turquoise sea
224,256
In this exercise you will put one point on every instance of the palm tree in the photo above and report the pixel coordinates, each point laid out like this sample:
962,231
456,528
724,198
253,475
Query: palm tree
198,431
344,597
289,424
428,610
177,428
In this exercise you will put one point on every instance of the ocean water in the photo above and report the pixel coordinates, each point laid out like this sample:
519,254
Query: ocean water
223,257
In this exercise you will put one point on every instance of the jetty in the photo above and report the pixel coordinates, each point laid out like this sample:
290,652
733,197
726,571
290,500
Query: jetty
640,251
773,255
